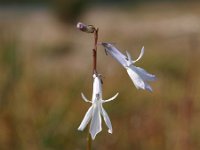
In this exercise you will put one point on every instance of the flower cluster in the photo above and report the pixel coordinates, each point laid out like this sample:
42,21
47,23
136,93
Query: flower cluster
139,77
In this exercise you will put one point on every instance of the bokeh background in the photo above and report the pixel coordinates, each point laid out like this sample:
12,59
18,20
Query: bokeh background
45,63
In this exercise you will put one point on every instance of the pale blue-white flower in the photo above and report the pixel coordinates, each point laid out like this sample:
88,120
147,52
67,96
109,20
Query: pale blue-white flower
96,110
138,75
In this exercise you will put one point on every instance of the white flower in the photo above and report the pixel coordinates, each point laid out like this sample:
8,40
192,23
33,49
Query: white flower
96,110
138,75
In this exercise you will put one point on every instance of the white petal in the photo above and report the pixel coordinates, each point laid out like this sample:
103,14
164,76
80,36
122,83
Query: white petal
115,53
97,88
95,126
148,87
137,79
110,99
86,119
140,56
85,99
145,75
106,119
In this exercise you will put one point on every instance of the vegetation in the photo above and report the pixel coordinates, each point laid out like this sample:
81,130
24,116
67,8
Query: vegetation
44,68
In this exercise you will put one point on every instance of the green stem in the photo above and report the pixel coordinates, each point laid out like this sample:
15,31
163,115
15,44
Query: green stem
89,141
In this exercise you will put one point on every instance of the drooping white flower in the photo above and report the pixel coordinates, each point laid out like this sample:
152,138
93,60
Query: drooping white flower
96,110
138,75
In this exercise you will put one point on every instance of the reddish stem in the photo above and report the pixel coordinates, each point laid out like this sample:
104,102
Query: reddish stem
89,140
95,51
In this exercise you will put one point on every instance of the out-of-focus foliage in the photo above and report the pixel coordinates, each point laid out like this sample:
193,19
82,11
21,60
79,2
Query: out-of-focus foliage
45,65
68,11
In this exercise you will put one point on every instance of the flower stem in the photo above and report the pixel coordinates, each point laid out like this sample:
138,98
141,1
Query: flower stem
89,141
95,51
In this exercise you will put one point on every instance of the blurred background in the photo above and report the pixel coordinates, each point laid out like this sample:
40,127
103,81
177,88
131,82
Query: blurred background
45,63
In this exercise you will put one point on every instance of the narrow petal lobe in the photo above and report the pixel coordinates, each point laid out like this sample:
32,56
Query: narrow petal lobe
106,119
95,126
84,98
86,119
137,80
140,56
145,75
110,99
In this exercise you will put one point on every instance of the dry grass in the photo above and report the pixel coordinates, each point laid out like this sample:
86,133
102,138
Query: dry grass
45,65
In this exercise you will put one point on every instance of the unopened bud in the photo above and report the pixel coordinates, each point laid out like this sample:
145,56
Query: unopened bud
85,28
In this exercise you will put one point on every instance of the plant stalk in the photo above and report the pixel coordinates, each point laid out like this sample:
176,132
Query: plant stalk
95,51
89,139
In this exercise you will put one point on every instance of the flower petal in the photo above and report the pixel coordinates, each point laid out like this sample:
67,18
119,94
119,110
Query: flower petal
110,99
137,79
84,98
95,126
115,53
145,75
140,56
86,119
106,119
148,87
97,87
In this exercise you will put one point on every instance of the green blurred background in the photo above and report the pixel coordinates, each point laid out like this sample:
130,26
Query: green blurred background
45,63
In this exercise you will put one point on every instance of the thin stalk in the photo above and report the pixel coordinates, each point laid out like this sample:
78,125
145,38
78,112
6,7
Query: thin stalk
95,51
89,139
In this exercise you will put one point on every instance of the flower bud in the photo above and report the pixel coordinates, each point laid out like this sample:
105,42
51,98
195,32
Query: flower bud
85,28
